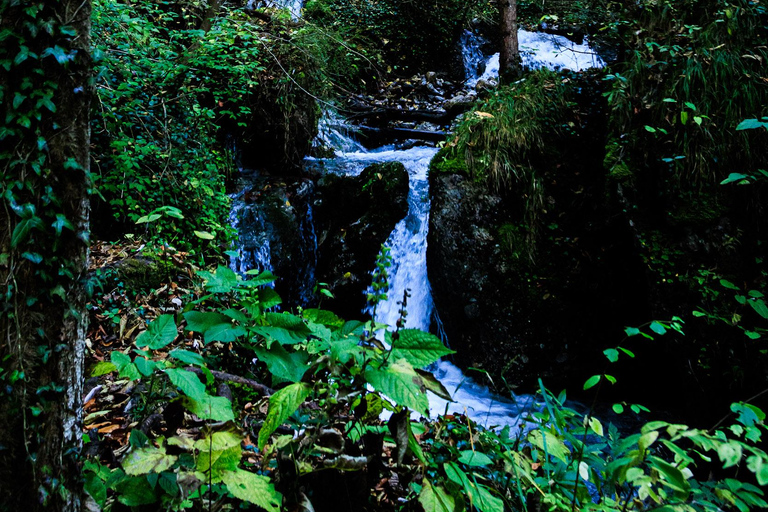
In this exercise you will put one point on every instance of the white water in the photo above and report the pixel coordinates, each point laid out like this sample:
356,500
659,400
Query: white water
537,50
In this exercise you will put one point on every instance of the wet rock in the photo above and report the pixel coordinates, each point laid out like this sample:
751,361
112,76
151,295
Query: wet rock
354,216
460,103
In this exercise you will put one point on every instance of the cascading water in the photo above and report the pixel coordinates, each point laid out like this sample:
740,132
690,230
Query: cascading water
539,50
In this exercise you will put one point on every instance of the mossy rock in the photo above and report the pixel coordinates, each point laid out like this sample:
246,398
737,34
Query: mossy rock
145,272
443,163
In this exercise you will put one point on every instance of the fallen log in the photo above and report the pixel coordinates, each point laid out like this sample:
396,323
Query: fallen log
372,134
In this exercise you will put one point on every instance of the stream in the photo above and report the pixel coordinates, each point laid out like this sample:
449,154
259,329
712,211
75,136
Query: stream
408,240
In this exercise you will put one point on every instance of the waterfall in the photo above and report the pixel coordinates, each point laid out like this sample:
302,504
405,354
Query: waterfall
537,50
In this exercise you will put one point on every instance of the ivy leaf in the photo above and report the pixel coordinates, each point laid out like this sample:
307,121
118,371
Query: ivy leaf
159,334
148,460
401,383
256,489
187,382
419,348
281,405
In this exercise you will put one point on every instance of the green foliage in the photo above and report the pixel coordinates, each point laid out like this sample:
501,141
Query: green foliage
504,138
692,76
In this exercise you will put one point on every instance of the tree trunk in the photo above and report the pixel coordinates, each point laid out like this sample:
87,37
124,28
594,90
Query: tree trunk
44,184
510,65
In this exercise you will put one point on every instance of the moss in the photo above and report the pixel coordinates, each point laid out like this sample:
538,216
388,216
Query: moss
145,272
698,209
444,163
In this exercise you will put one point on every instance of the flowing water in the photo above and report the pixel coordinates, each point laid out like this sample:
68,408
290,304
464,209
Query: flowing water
408,241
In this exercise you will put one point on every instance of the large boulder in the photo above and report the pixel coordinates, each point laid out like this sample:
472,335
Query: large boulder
354,216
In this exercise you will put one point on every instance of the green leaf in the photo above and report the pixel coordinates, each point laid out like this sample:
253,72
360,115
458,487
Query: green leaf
187,382
434,385
187,356
323,317
592,381
22,229
160,333
612,354
124,365
401,383
618,408
628,352
473,458
256,489
759,466
673,477
226,333
419,348
103,368
596,426
549,444
224,280
145,366
148,460
730,453
199,321
94,486
204,235
751,124
216,463
658,328
435,499
727,284
268,298
759,306
632,331
215,408
286,367
262,278
281,405
734,176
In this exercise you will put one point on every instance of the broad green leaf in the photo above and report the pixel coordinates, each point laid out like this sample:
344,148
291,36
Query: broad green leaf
215,463
94,486
596,426
268,298
592,381
612,354
485,501
145,366
473,458
200,321
419,348
148,460
326,318
187,356
134,491
283,365
554,446
658,328
159,334
759,306
215,408
751,124
262,277
103,368
435,499
730,453
226,333
281,405
647,439
673,477
759,466
618,408
124,365
204,235
727,284
224,280
401,383
734,176
218,441
187,382
253,488
632,331
433,385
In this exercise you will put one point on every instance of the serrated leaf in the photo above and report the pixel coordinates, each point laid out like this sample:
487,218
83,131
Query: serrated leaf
215,463
268,298
401,383
218,441
187,382
435,499
160,333
283,365
474,458
148,460
281,405
256,489
419,348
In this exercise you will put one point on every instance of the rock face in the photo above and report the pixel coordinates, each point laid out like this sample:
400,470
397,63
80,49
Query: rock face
274,222
354,216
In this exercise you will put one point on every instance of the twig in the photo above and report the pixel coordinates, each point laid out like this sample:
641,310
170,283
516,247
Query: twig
228,377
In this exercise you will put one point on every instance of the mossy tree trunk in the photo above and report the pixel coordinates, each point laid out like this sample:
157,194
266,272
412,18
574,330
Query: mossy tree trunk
44,212
510,65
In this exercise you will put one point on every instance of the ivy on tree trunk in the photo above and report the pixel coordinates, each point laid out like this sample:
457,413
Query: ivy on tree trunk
44,213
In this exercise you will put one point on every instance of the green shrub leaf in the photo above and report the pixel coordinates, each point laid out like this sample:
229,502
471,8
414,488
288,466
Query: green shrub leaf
160,333
256,489
187,382
419,348
148,460
401,383
281,405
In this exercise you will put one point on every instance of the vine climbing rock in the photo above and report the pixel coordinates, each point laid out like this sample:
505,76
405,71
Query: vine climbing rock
354,216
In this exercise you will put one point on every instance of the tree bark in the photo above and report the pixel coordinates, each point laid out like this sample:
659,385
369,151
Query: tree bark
510,65
44,225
